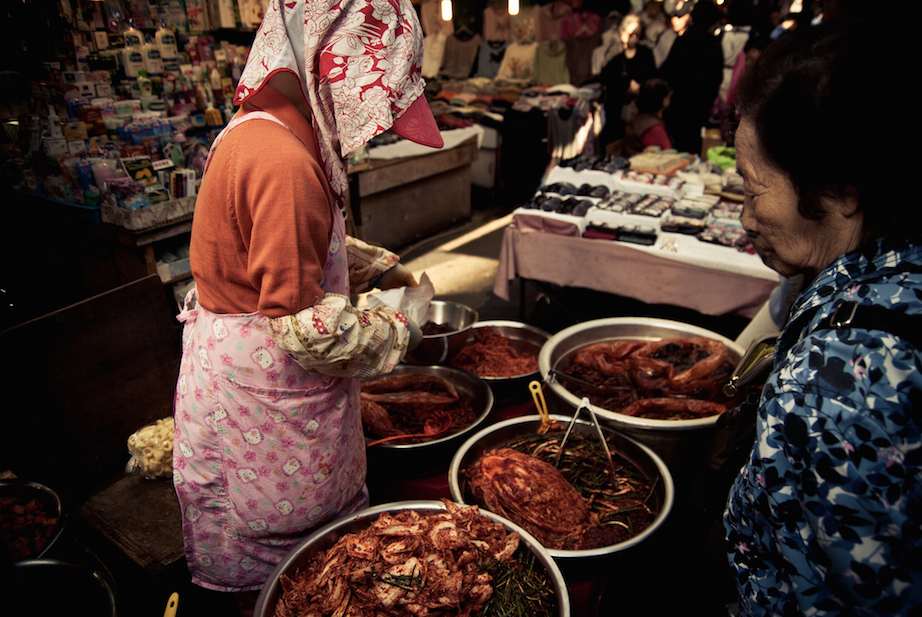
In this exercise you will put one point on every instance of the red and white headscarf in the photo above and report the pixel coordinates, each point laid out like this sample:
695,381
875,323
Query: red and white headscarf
359,66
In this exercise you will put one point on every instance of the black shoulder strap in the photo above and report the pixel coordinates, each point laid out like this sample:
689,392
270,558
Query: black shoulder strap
853,315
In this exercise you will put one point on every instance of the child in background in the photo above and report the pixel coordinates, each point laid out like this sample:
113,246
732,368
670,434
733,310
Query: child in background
647,127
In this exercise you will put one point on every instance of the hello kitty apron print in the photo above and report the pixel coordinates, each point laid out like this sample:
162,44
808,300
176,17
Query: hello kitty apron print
263,450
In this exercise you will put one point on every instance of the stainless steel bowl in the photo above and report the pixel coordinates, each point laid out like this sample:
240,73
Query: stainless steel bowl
430,457
643,458
523,338
22,492
54,587
438,348
327,536
664,436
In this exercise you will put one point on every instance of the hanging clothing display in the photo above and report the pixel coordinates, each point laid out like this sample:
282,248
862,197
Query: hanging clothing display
430,16
496,24
460,56
490,58
524,26
518,63
551,63
579,56
571,130
580,23
609,48
433,54
550,20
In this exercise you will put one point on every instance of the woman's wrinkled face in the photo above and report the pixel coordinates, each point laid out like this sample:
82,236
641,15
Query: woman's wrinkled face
788,242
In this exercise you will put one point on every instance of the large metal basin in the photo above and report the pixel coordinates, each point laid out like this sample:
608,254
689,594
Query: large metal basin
432,457
328,535
669,438
641,457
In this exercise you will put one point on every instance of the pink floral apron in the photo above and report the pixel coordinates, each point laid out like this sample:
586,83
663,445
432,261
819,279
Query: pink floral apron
263,451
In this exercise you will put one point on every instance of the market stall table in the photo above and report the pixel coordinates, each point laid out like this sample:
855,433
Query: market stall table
405,191
678,270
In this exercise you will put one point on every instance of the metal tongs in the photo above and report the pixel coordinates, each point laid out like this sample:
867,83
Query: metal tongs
584,404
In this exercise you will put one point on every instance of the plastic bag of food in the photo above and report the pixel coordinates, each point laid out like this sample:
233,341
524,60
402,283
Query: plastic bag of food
151,449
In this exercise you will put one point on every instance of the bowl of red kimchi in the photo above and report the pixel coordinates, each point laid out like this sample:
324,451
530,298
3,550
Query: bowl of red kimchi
415,417
503,353
413,558
579,507
657,380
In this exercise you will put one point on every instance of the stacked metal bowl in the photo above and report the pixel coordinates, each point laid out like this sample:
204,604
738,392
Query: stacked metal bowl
438,348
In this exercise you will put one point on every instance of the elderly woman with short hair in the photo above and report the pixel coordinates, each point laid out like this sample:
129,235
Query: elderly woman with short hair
826,515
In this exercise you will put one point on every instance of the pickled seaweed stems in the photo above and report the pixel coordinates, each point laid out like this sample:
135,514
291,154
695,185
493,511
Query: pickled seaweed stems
626,510
411,405
520,589
492,355
670,379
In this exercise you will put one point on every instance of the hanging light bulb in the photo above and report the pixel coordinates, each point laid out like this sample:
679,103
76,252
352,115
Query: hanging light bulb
513,7
446,10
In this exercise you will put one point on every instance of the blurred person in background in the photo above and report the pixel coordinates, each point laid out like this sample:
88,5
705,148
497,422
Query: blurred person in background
622,77
647,128
693,69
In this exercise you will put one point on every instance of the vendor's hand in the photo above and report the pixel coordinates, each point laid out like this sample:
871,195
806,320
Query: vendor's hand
398,276
416,335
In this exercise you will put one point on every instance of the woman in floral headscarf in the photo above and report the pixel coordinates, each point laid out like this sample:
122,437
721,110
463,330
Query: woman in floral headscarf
268,439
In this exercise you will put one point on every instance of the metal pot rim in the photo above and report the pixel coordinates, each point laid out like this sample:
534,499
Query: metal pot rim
454,474
555,576
518,325
619,419
471,380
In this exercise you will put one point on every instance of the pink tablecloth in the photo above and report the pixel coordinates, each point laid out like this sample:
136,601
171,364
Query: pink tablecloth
612,267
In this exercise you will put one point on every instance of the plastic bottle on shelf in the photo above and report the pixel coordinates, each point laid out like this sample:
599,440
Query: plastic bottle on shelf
54,124
133,37
220,58
132,53
145,86
166,41
169,52
214,77
153,62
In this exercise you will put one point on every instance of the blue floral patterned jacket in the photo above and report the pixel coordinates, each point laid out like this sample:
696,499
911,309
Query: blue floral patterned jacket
826,517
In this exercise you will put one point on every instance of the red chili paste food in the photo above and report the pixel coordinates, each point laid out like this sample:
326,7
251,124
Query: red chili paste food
491,355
